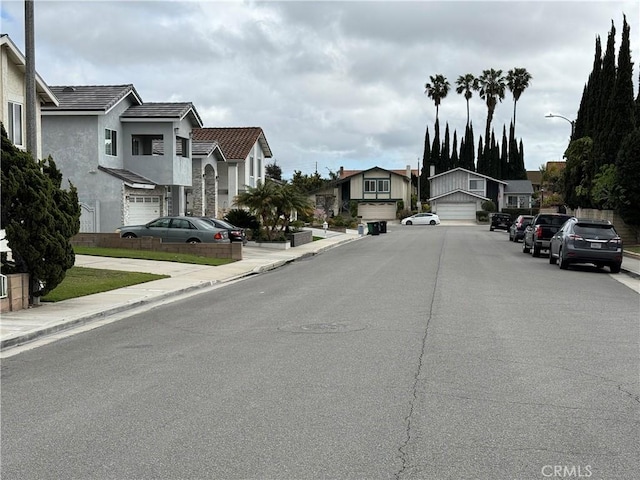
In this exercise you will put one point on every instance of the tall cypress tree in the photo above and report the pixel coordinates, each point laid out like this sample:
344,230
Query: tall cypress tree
482,167
455,161
620,110
602,151
505,168
587,122
424,175
470,154
445,154
435,149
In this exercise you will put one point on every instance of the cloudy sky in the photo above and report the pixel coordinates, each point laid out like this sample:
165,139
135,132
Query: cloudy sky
333,83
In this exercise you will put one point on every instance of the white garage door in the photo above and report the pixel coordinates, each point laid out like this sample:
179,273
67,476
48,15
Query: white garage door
143,209
456,211
377,211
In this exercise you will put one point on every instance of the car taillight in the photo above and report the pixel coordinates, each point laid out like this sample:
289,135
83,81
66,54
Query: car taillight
575,237
616,241
539,231
218,236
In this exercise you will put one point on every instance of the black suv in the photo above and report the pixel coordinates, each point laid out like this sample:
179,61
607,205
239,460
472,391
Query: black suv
501,221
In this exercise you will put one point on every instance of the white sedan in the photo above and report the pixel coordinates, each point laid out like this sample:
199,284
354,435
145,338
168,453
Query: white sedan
421,219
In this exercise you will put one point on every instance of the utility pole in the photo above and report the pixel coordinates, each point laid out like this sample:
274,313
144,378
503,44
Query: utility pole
418,204
31,134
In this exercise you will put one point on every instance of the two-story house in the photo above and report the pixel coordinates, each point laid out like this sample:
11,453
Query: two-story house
130,161
13,96
458,194
240,163
377,192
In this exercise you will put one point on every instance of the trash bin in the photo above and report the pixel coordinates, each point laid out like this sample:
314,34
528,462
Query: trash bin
373,228
360,229
383,226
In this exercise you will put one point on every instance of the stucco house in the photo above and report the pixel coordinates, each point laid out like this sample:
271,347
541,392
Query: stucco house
240,163
130,161
377,192
518,194
457,194
13,96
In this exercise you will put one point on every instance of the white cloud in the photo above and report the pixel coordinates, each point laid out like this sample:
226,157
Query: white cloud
332,83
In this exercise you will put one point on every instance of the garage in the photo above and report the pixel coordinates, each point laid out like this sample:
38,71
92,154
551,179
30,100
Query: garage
143,209
377,211
457,211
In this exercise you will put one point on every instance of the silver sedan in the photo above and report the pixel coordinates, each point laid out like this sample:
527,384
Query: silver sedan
177,230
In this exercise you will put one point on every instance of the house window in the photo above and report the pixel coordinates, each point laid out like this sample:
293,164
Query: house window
147,145
110,142
182,147
512,201
476,184
251,167
15,123
369,186
259,167
383,186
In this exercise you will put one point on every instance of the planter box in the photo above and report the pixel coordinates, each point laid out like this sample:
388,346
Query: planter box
300,238
274,245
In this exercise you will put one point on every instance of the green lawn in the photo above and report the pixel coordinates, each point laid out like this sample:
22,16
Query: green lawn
81,281
151,255
635,249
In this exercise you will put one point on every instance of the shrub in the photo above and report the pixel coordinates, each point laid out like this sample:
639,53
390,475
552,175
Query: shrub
488,206
482,216
403,214
242,218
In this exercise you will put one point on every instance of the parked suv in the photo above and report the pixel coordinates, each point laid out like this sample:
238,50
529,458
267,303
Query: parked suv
501,221
538,233
586,241
516,231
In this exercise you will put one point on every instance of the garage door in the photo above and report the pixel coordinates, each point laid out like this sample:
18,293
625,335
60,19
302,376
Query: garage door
377,211
143,209
456,211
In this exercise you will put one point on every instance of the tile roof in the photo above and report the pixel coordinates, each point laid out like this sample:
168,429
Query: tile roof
236,142
127,176
173,110
534,176
91,97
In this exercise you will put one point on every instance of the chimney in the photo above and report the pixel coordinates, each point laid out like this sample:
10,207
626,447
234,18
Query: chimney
408,171
341,172
432,170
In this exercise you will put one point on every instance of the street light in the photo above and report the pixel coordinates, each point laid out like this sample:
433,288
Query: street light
572,122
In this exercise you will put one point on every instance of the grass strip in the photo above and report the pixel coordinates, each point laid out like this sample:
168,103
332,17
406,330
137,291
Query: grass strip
634,249
152,255
81,281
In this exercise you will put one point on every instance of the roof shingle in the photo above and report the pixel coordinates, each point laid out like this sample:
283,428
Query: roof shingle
92,97
235,142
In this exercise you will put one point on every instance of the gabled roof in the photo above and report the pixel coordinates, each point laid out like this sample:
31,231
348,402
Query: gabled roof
91,98
459,190
18,59
342,174
236,142
166,111
129,178
519,186
468,171
205,148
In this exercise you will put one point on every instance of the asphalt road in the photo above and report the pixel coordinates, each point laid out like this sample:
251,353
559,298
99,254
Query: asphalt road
424,353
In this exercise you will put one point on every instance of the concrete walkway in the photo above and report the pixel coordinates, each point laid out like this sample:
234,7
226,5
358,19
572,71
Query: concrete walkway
17,328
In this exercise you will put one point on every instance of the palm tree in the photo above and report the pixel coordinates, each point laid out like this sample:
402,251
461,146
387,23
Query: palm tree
517,82
260,200
467,84
492,85
437,90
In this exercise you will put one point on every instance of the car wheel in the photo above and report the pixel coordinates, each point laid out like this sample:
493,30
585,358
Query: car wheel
491,229
525,249
552,259
432,222
129,235
562,263
615,268
409,222
193,240
535,251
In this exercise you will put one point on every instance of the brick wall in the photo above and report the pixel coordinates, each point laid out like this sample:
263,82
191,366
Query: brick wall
113,240
17,293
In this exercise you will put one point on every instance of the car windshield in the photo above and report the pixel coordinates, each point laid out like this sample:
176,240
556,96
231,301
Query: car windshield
558,220
590,231
224,224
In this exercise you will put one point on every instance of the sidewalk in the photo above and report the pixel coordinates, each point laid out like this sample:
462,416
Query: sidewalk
20,327
25,325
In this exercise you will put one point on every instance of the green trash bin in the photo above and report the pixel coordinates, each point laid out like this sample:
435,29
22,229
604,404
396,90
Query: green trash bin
373,228
383,226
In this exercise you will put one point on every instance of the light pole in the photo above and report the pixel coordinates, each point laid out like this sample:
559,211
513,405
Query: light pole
572,122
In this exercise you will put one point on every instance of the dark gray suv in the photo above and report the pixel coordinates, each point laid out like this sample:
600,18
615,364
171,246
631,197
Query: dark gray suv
586,241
